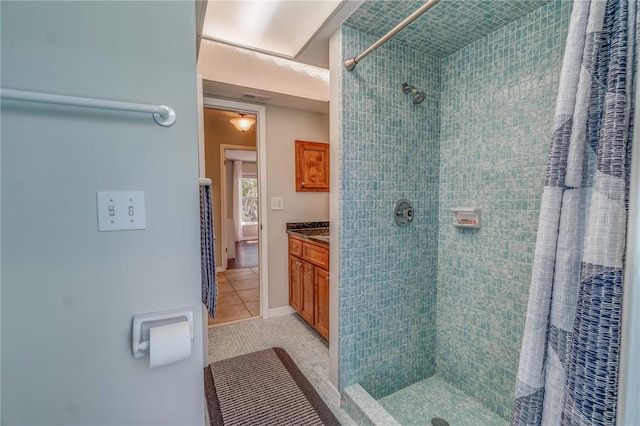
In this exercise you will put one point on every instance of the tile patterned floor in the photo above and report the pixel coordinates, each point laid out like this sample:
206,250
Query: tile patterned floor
433,397
307,349
238,295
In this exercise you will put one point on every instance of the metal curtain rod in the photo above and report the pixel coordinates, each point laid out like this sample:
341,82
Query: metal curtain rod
350,64
163,115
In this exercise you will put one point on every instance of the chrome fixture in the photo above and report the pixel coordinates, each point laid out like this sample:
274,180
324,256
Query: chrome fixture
417,96
403,212
350,64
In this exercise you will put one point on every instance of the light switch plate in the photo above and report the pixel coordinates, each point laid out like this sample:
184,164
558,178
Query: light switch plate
277,203
121,211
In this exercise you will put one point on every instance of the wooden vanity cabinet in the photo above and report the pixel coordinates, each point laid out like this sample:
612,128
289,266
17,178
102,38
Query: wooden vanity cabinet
295,283
321,297
309,283
312,166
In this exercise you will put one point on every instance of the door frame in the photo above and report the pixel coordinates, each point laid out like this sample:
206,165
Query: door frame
261,145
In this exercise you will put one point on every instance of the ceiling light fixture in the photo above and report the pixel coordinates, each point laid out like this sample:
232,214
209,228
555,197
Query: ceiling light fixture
242,123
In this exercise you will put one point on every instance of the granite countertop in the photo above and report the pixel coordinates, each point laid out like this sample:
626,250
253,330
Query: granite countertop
314,231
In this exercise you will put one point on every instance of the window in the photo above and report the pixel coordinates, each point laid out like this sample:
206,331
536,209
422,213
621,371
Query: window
249,200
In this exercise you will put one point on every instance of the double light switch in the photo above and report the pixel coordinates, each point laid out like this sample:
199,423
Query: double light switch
120,211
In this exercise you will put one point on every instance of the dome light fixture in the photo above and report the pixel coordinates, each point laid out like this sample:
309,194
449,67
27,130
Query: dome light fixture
242,123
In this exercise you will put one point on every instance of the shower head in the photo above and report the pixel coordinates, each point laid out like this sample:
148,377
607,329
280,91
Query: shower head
407,88
417,96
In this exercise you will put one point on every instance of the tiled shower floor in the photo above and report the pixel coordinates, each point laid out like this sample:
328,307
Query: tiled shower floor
433,397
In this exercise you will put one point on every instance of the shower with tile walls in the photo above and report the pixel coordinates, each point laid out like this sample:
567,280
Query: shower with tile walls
431,315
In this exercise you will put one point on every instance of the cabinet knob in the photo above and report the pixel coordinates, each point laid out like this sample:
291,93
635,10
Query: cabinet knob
303,184
298,263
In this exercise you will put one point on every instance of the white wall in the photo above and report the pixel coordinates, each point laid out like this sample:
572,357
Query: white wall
68,291
284,127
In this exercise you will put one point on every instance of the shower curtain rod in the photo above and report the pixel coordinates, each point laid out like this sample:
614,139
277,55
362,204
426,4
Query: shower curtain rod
350,64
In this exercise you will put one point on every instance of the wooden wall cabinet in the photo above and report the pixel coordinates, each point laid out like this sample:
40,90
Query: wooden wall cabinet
309,283
312,166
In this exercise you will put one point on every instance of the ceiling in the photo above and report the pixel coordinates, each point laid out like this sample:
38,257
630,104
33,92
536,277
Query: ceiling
446,27
282,28
299,30
294,29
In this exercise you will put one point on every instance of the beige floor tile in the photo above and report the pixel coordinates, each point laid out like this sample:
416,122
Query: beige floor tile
255,270
232,275
252,295
222,278
245,284
230,313
226,299
253,307
225,287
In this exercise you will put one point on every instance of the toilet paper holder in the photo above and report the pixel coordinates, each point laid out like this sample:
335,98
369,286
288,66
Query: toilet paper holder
142,323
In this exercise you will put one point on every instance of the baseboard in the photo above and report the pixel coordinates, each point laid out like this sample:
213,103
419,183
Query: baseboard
220,269
283,310
333,394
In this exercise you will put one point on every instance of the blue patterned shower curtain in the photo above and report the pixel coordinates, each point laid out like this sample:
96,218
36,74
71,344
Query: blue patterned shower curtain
568,373
207,254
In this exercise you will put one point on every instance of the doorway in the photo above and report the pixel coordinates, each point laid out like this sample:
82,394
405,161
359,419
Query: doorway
238,284
232,162
239,199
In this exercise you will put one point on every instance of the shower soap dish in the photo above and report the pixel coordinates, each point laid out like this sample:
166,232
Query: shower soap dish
466,217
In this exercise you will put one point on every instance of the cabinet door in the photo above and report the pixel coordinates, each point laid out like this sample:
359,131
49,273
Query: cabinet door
312,166
295,246
321,320
317,255
295,283
307,292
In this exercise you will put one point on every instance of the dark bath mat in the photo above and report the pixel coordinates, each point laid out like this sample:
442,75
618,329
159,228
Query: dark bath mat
263,388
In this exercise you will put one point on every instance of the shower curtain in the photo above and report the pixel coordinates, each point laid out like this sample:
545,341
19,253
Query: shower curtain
568,372
207,254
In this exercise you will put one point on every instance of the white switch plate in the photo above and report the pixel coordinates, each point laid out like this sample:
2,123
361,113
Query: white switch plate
277,203
120,211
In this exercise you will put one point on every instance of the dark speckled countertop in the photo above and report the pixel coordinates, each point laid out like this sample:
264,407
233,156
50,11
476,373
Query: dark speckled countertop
314,231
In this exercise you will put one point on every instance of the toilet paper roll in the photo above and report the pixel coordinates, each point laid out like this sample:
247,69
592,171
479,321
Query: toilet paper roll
169,343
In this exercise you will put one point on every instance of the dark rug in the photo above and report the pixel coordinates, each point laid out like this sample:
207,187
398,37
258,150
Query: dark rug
263,388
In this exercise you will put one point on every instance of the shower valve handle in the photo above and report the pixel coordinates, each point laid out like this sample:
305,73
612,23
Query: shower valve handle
403,212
